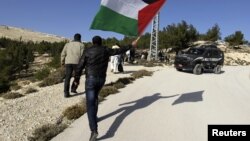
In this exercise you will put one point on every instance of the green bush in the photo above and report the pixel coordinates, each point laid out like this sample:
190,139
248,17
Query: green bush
4,83
11,95
4,87
235,39
42,74
55,62
47,132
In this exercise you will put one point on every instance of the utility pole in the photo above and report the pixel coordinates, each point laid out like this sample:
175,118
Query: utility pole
153,53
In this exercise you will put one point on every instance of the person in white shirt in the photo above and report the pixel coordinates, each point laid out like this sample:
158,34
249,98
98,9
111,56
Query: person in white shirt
115,60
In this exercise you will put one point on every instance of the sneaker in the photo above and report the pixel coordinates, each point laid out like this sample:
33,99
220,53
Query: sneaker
93,136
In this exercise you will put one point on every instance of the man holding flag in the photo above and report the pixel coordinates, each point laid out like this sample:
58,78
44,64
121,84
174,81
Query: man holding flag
95,61
128,17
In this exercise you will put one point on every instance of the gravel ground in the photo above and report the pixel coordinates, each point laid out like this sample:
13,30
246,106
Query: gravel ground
19,117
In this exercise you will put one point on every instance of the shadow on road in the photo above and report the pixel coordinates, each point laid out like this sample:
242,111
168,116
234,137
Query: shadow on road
189,97
127,110
205,72
128,72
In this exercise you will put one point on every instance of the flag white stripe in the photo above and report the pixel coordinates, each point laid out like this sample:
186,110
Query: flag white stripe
128,8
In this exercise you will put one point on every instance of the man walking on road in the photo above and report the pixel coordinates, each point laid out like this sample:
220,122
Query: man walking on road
95,61
70,57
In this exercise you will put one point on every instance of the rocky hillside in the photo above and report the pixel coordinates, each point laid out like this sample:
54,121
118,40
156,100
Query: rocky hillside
233,56
27,35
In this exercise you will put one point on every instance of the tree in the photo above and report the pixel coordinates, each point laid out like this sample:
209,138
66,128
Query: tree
213,34
127,40
16,56
235,39
110,41
4,71
178,35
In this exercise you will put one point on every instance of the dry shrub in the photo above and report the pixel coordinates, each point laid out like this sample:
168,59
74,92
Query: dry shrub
42,74
107,90
47,132
75,111
142,62
149,64
110,88
14,86
31,90
125,80
141,73
12,95
119,85
54,78
100,98
146,63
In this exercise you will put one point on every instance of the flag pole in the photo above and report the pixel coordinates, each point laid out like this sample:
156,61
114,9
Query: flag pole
138,38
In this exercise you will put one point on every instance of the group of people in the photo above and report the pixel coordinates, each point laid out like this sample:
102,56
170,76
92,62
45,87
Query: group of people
94,60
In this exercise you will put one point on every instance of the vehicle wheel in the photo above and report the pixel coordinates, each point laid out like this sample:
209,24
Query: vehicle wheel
178,69
217,69
197,69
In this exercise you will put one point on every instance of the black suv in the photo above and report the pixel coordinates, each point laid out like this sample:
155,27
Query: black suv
200,59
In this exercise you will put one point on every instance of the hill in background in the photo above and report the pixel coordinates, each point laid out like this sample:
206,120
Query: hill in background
28,35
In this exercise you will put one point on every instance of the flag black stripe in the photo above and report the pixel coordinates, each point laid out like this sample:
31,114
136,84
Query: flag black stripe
149,1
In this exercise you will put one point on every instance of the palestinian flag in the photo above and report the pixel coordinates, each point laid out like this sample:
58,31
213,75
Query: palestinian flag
128,17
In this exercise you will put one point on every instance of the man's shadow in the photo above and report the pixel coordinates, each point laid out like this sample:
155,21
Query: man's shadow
127,110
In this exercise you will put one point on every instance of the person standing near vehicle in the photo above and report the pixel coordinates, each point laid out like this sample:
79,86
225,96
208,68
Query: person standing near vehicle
70,57
95,61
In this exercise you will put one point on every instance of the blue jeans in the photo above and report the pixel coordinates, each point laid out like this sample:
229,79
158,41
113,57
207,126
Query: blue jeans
93,86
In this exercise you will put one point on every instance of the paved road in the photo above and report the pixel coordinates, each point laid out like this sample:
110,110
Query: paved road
170,105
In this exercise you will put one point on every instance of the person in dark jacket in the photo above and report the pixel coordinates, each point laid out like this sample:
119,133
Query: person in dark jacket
95,61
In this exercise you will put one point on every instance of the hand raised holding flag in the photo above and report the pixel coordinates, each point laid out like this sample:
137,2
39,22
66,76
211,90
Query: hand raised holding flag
134,43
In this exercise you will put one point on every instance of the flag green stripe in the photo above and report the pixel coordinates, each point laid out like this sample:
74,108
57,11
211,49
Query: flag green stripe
108,20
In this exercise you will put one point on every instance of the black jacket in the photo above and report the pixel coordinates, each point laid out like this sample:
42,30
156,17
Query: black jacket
95,60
